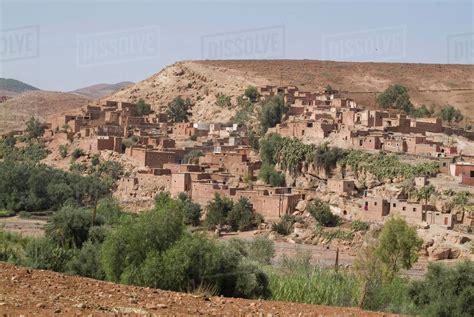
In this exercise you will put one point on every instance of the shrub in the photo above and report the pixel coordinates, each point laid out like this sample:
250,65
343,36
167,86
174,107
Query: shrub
272,112
95,160
108,209
445,291
284,226
192,156
34,128
270,176
69,227
450,114
77,153
44,254
251,92
178,110
192,211
223,101
241,216
358,225
141,108
217,211
322,213
12,247
86,262
63,150
261,249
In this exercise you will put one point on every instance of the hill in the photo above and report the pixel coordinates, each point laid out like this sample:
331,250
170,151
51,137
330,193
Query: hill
44,293
101,90
12,87
41,104
430,84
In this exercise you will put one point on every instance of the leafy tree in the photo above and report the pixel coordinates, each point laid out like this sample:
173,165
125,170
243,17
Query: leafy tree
327,157
450,114
270,147
270,176
217,211
108,209
445,291
251,93
425,193
69,227
284,226
421,112
86,262
223,101
241,216
321,212
178,110
192,211
193,156
141,109
388,99
77,153
272,112
398,246
34,128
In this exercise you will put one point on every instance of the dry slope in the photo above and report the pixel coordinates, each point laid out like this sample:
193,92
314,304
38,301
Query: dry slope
41,104
42,293
429,84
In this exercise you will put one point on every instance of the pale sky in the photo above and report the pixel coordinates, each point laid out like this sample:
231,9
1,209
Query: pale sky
65,45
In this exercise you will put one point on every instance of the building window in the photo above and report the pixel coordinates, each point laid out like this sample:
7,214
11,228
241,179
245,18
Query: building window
404,208
472,174
414,209
394,205
375,203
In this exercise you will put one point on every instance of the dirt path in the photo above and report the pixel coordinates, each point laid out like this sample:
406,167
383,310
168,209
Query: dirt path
45,293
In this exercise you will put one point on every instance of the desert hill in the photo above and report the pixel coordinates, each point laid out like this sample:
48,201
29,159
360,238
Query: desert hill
45,293
430,84
12,87
101,90
41,104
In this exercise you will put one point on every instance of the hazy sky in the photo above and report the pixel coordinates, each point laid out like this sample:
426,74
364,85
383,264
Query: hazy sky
64,45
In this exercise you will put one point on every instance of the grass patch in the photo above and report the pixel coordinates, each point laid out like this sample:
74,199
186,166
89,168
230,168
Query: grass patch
6,213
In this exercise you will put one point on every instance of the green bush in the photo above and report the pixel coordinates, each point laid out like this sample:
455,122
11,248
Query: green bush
322,213
358,225
141,109
12,247
217,211
284,226
34,128
261,249
251,92
77,153
241,216
450,114
178,110
445,291
63,150
223,101
192,211
270,176
272,112
44,254
192,157
86,262
69,227
108,209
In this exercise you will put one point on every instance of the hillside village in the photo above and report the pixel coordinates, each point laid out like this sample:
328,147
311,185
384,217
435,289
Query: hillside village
203,159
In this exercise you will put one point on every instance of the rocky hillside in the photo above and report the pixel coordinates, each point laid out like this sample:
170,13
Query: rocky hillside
429,84
101,90
41,104
12,87
44,293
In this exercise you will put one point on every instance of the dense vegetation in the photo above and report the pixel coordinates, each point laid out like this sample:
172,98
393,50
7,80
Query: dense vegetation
178,110
141,109
272,112
450,114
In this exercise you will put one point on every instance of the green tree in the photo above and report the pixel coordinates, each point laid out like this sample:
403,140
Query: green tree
272,112
217,211
192,157
34,128
192,211
223,101
178,110
86,262
251,93
270,176
445,291
450,114
69,227
388,98
321,212
141,109
63,150
241,216
425,193
397,247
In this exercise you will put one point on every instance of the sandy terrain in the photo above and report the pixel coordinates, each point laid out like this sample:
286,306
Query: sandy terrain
45,293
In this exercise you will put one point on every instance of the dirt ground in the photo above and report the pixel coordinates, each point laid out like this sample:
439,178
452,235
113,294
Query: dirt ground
45,293
26,227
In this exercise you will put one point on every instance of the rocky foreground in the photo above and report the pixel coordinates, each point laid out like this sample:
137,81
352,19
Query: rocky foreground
45,293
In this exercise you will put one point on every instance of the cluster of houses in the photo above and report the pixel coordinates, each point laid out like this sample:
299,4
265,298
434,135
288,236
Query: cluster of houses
204,159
